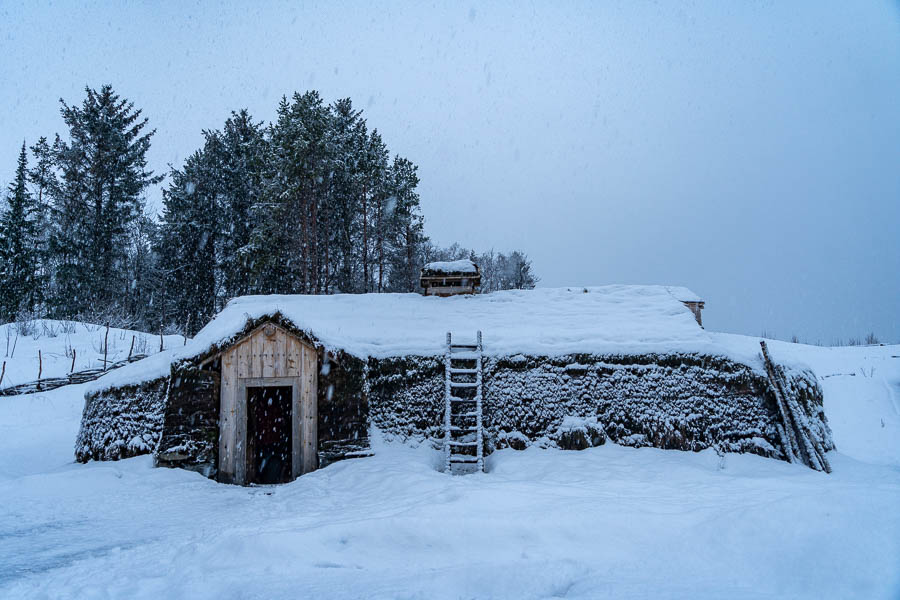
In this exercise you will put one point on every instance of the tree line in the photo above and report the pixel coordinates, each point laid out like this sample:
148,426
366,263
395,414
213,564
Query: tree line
312,203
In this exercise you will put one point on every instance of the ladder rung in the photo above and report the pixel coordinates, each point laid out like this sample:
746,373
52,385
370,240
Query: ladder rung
474,413
463,371
465,356
463,429
458,399
463,444
460,384
463,347
463,459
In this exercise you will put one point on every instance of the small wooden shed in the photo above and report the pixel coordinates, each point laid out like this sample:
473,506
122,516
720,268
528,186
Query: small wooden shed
268,408
450,278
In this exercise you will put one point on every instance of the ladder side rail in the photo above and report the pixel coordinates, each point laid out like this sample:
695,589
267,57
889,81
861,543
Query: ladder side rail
479,436
447,420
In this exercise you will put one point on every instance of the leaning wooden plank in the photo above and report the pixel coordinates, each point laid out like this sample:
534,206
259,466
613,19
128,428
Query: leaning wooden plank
818,452
801,445
797,417
786,432
804,431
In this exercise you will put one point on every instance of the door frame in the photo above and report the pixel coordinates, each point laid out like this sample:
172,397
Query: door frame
240,465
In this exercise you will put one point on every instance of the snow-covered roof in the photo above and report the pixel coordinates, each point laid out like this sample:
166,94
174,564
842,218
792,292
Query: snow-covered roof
683,294
613,319
453,266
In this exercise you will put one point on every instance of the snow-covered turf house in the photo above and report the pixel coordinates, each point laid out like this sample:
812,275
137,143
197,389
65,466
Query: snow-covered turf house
276,386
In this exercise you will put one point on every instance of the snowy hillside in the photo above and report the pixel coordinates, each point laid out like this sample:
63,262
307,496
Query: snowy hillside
61,341
605,522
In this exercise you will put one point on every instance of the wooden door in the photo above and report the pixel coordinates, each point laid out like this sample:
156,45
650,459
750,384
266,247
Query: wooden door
268,357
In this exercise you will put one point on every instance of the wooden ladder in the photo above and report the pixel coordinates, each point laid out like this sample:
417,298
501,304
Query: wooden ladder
463,431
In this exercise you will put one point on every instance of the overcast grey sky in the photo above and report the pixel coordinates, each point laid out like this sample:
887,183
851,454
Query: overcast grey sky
750,151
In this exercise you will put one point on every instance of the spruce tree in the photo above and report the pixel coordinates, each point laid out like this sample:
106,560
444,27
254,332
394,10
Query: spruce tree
42,177
140,267
406,231
348,137
238,155
19,246
103,177
285,242
188,265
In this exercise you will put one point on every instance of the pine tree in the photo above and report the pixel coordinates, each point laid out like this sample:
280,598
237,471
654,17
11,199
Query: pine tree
285,242
276,207
348,137
238,153
140,267
379,198
42,178
19,247
407,238
188,265
103,176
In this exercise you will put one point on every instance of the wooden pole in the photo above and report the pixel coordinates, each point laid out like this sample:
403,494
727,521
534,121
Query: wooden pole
3,371
72,370
812,446
105,346
160,338
795,422
40,366
132,348
784,432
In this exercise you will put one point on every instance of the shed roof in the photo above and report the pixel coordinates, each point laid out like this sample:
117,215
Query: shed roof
453,267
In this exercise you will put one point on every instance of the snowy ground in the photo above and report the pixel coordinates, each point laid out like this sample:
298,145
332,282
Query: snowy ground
57,340
608,522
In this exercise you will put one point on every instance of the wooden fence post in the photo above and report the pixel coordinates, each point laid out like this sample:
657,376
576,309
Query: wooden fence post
105,347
